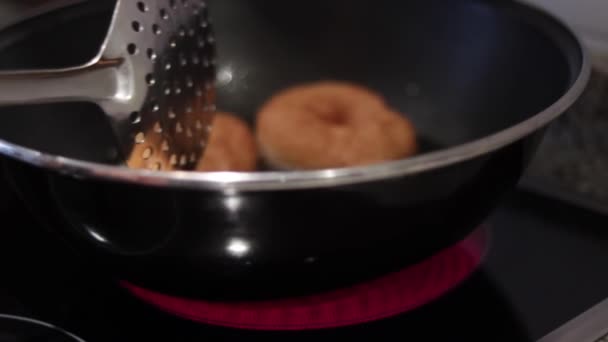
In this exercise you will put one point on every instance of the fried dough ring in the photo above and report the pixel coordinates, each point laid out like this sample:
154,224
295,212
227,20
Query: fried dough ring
231,146
331,124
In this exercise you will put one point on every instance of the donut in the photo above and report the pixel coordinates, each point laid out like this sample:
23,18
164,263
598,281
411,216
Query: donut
331,124
231,146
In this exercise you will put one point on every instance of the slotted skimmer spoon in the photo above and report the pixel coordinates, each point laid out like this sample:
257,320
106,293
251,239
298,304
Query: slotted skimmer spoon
153,77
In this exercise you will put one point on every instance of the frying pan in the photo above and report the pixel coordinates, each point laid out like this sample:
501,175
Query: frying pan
480,80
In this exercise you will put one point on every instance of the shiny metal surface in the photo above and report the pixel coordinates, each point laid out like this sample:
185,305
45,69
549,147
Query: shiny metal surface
153,76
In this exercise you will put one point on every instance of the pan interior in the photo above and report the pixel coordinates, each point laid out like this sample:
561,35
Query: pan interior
461,70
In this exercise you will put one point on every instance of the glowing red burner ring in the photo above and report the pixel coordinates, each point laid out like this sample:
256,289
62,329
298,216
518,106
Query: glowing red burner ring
383,297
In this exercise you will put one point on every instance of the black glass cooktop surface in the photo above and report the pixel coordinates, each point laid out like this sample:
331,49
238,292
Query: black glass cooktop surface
545,265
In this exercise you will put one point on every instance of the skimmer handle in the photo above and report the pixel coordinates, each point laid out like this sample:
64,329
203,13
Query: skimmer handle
93,83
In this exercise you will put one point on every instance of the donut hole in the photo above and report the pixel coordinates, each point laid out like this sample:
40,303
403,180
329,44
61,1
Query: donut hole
328,112
334,117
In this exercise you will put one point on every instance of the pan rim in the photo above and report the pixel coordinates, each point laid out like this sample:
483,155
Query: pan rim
291,180
41,324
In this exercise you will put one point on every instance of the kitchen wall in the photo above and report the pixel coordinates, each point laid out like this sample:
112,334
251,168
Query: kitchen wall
589,18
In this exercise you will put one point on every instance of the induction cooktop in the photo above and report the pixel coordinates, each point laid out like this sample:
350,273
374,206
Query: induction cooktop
534,272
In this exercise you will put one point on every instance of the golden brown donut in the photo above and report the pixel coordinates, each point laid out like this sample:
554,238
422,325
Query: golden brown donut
331,124
231,146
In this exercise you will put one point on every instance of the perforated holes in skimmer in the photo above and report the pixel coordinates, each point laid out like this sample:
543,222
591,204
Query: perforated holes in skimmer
178,39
